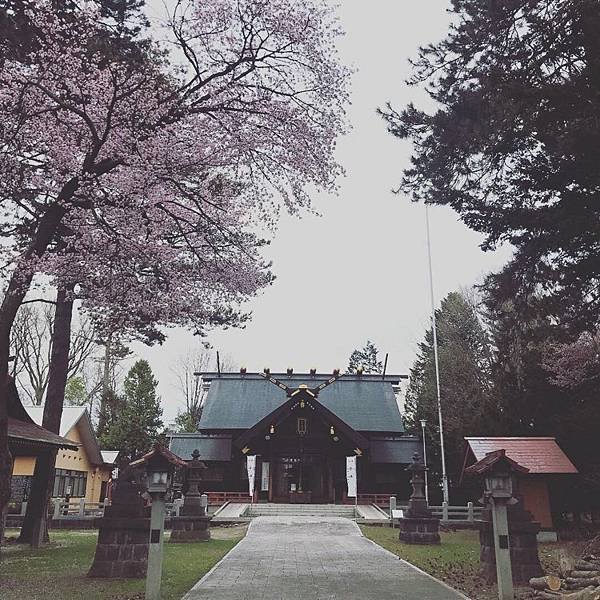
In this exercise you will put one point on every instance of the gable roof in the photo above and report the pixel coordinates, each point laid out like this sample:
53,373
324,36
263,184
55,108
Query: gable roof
23,431
240,401
538,454
284,410
71,417
491,459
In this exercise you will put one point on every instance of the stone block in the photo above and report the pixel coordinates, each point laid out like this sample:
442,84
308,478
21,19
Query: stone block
419,530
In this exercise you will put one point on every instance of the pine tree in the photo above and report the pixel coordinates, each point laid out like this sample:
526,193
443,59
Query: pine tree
365,358
467,407
513,141
138,423
532,399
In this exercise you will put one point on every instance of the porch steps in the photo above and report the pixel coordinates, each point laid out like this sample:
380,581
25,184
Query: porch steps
300,510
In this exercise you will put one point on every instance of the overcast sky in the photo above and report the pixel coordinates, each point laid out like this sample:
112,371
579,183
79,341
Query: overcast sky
359,271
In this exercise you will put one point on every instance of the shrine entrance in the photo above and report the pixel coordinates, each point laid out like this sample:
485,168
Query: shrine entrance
301,448
303,479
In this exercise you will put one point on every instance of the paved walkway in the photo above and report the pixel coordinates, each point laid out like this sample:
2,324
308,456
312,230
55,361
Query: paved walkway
312,558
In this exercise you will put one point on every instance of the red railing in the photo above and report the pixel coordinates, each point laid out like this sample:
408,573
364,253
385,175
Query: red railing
377,499
222,497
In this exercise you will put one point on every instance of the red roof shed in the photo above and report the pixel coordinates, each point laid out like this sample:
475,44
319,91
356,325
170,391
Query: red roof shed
538,454
541,455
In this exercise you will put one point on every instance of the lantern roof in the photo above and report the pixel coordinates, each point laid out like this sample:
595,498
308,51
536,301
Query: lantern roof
159,455
493,461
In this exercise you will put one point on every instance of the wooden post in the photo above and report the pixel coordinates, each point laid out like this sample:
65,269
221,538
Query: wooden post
502,547
81,508
470,512
392,509
155,549
23,508
177,506
57,503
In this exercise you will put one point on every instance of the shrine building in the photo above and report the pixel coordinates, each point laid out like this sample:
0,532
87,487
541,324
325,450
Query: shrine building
301,427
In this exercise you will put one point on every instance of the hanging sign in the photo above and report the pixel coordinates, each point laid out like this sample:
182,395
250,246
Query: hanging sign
351,475
264,481
251,467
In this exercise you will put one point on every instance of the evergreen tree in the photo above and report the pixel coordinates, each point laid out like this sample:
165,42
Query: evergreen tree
127,15
138,422
521,332
111,405
365,358
467,406
514,142
186,422
76,393
534,394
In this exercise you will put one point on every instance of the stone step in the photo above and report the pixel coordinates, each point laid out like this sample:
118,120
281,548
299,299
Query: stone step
316,508
287,510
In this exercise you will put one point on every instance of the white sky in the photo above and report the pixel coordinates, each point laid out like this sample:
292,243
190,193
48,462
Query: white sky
359,271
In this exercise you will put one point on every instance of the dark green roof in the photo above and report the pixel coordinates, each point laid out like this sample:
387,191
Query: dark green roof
211,447
395,450
366,403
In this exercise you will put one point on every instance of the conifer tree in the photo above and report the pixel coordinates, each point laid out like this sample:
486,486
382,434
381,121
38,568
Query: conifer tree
365,358
464,357
513,141
139,422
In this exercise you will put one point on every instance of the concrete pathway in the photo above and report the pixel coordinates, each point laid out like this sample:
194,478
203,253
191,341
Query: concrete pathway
312,558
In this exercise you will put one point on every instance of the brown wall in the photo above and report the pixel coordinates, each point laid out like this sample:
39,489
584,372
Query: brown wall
536,499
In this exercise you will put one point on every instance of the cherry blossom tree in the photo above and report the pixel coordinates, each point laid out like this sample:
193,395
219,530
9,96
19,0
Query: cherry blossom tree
110,160
577,363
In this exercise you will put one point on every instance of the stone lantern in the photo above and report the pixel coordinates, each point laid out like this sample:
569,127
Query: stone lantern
159,464
122,548
193,524
418,525
507,533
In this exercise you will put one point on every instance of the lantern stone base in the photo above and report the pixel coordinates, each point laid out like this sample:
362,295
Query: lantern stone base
523,547
193,528
419,530
122,549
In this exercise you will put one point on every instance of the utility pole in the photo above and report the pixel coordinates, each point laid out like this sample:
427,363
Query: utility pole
437,364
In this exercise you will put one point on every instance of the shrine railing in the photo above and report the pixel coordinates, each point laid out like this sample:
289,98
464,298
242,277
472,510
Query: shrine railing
222,497
381,500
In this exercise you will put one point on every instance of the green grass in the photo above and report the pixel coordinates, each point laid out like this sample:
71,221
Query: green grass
59,570
455,560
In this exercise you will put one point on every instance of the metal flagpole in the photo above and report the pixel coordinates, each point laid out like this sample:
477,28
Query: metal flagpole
437,365
423,423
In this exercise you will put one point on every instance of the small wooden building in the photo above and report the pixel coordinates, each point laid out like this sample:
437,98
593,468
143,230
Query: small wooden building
27,440
544,459
81,470
302,427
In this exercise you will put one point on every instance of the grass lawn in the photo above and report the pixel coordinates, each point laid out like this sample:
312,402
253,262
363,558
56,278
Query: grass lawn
456,560
59,570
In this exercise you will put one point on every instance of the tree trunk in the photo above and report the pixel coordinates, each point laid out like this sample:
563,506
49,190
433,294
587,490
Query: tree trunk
35,527
18,286
102,416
